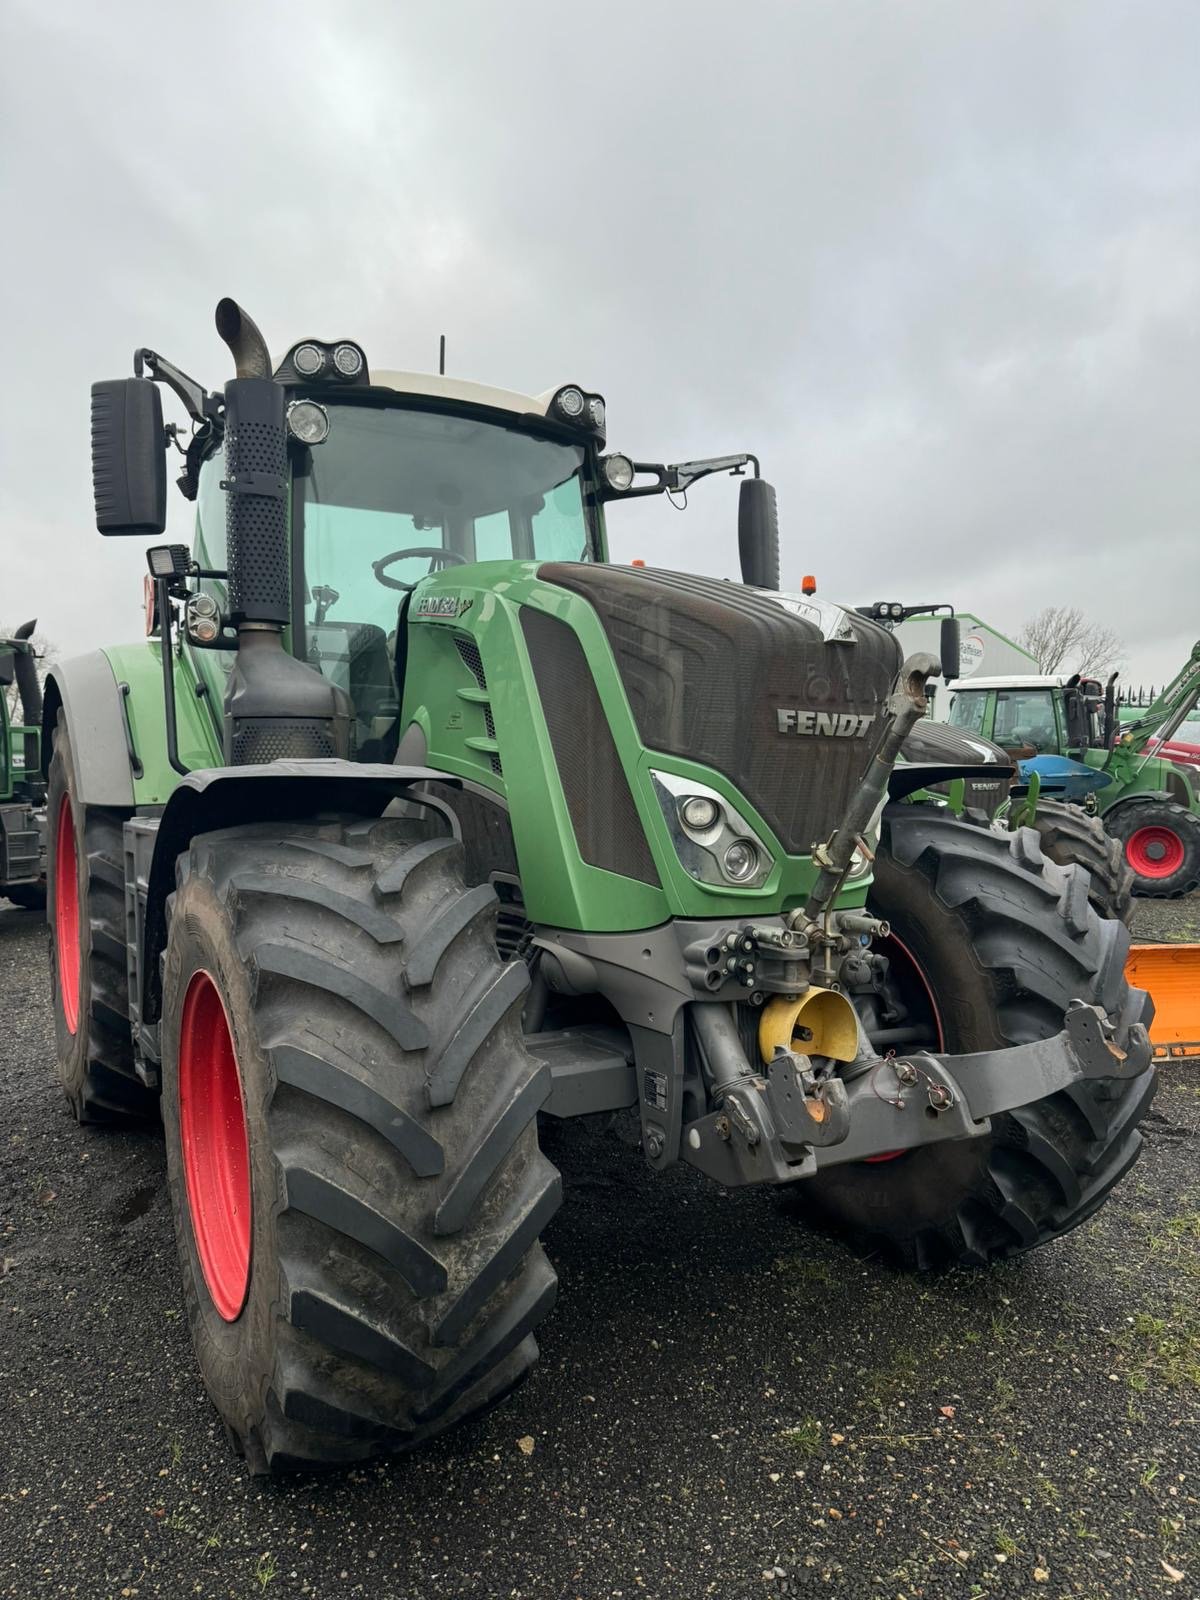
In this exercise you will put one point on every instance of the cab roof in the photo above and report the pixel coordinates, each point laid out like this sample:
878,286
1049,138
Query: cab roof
464,392
1017,680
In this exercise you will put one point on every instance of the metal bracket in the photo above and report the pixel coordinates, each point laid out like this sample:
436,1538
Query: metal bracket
270,485
806,1111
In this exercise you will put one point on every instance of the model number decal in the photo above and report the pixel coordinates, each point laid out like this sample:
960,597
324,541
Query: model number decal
442,606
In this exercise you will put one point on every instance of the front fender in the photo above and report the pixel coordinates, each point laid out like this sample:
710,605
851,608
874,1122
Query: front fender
227,797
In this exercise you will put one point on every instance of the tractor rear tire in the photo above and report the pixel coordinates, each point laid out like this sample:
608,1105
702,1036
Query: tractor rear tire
1072,837
85,877
1161,843
998,940
364,1271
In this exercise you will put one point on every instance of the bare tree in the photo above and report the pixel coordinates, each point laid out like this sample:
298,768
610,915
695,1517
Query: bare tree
1062,639
45,654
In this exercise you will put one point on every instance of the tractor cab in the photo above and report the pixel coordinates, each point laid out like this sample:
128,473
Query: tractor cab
1030,716
1025,716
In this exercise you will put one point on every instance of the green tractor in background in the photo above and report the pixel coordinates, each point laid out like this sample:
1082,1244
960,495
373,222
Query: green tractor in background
414,822
1000,793
1146,802
22,786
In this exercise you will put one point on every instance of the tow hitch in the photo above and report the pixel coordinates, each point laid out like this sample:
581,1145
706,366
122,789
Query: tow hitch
788,1121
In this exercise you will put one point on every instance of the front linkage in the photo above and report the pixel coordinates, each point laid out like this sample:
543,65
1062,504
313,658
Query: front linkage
830,1098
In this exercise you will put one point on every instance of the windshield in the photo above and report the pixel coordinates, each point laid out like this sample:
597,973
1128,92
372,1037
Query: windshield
967,710
391,480
1026,717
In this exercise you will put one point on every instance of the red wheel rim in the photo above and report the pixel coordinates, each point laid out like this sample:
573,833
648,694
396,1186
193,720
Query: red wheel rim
66,915
902,957
216,1152
1154,852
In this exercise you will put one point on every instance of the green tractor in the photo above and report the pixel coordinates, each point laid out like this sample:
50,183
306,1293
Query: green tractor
415,824
1147,803
22,789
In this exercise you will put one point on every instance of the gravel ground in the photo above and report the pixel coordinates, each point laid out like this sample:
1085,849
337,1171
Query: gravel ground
725,1405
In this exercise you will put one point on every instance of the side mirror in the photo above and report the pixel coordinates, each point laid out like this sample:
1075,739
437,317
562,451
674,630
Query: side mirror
950,649
1077,719
758,533
8,668
129,458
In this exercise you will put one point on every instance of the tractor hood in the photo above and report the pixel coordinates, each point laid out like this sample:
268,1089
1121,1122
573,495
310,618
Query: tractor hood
785,700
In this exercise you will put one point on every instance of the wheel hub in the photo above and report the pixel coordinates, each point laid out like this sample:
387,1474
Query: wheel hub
216,1154
1155,852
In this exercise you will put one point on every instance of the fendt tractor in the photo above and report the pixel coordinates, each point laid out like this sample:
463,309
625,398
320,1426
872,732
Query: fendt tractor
414,821
1149,804
22,789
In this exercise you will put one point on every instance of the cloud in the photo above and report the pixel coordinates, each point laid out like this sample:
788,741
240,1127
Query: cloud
936,265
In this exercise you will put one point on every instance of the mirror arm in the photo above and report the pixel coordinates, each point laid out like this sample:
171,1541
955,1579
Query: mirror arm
201,406
677,477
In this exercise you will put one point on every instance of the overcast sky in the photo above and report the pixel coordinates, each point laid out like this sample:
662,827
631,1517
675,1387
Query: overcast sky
938,264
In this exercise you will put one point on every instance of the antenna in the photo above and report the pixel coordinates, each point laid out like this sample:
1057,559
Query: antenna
442,357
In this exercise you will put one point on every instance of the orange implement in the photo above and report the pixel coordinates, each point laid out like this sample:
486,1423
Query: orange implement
1171,972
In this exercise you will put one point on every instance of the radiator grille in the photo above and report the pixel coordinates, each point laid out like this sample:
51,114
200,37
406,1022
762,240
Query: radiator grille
708,665
603,815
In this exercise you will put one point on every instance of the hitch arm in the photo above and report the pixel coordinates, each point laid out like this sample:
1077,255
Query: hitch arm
905,708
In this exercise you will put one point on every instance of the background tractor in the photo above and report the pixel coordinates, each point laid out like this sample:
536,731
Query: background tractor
22,789
414,821
1002,792
1055,725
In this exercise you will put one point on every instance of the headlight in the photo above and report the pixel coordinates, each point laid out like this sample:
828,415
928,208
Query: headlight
595,411
740,861
203,618
618,472
308,422
569,403
308,359
714,842
698,813
348,359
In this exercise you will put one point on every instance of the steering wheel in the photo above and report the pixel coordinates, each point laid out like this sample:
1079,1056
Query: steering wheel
437,556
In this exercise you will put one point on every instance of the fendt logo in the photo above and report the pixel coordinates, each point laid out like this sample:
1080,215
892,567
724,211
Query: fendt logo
825,724
442,607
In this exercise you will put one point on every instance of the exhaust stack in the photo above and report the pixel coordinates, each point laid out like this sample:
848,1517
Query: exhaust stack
276,707
28,687
240,332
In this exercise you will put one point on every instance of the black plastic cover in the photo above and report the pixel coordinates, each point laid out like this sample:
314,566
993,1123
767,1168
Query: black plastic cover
708,667
607,827
256,470
129,459
939,743
758,533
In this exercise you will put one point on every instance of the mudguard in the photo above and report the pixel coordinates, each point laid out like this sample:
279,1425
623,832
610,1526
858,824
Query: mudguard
87,690
226,797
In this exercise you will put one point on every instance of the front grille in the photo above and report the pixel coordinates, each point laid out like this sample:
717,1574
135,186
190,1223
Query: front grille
707,666
607,827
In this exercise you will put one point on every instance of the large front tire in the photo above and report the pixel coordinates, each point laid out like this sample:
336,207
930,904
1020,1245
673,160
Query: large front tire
993,941
1071,837
388,1277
